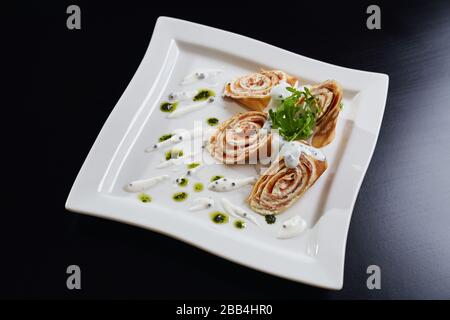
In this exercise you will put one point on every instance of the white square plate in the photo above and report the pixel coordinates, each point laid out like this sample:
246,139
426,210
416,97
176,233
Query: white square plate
178,47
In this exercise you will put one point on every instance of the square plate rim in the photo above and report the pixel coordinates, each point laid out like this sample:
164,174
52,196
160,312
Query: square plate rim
85,198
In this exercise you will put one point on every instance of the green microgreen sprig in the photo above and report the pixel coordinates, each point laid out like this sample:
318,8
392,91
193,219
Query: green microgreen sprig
296,120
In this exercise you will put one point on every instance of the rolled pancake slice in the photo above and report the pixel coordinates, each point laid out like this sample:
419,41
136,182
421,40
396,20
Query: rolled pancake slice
329,97
241,139
253,90
280,186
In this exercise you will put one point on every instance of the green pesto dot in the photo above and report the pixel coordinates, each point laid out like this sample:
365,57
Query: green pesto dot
193,165
198,187
180,196
212,121
214,178
168,106
204,94
173,154
165,137
239,224
145,198
219,217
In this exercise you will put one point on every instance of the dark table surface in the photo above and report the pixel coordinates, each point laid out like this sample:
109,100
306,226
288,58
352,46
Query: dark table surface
401,220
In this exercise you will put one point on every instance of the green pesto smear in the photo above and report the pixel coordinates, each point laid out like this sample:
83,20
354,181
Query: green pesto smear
270,218
198,187
173,154
212,121
168,106
180,196
182,182
239,224
145,198
165,137
193,165
214,178
219,217
204,94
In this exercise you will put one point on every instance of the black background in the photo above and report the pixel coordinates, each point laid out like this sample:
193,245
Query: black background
67,82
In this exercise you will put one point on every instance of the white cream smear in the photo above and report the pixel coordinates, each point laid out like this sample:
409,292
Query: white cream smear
226,184
209,75
176,161
190,108
280,92
180,135
291,151
182,95
236,211
142,185
292,227
277,94
201,204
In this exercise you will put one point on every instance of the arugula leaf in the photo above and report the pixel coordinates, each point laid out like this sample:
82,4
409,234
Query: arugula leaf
296,120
